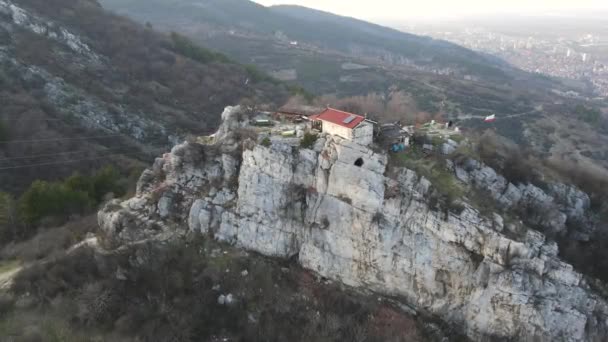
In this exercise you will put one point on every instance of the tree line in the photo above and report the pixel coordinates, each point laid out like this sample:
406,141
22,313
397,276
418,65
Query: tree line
76,195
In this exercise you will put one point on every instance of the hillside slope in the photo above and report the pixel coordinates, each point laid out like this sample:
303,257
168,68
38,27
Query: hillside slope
350,34
81,86
366,68
322,30
331,54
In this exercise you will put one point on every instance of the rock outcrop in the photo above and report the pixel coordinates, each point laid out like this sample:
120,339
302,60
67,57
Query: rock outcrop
550,208
355,225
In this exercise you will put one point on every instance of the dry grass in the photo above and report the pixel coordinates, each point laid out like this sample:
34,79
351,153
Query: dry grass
173,296
50,241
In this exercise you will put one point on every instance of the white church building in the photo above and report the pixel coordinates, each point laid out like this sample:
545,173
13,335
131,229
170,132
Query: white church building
346,125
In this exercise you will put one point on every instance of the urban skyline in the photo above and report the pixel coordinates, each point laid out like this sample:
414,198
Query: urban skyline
402,9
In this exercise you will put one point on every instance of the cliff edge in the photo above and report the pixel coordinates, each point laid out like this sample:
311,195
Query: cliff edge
334,208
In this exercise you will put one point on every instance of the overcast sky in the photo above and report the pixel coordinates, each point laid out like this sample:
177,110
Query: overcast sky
397,9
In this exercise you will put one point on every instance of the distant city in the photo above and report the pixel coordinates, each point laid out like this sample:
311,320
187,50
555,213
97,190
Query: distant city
550,50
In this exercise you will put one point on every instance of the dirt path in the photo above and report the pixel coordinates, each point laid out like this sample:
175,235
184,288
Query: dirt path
7,273
481,117
9,270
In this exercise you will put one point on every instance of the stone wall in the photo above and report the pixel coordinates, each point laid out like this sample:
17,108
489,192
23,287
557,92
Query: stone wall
335,129
364,134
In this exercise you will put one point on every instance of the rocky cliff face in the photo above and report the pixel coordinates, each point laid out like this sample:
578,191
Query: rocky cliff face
355,225
552,209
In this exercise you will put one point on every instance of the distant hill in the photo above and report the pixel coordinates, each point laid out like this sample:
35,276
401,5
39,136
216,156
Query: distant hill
346,33
393,75
81,87
306,26
317,50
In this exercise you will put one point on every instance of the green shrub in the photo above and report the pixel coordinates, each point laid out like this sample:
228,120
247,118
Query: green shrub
448,189
457,138
187,48
266,142
7,217
45,199
589,115
78,182
106,181
258,75
309,140
445,183
297,90
75,195
437,141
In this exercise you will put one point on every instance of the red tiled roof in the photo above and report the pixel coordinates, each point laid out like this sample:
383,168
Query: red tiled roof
338,117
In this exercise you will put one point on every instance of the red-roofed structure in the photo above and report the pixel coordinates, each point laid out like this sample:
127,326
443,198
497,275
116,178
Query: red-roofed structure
341,118
314,117
346,125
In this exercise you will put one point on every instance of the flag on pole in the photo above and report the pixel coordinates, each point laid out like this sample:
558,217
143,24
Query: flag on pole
490,118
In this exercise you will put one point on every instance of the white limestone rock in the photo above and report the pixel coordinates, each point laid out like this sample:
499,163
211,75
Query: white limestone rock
223,197
119,224
550,208
575,201
230,167
199,219
165,205
447,148
511,196
342,222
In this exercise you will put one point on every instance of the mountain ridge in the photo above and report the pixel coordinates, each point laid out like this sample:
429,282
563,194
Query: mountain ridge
334,32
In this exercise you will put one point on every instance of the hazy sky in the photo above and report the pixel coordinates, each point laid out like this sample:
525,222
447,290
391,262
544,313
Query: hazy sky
396,9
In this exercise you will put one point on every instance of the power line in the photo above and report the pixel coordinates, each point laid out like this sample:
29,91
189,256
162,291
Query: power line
29,120
68,161
65,153
60,139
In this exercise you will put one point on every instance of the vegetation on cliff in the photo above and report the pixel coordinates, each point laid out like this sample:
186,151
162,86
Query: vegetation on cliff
46,204
173,291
